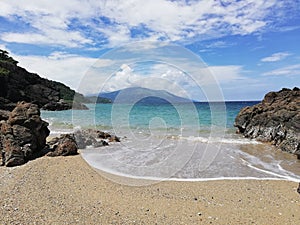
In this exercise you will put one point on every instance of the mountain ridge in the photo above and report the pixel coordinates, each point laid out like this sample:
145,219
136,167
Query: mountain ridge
142,95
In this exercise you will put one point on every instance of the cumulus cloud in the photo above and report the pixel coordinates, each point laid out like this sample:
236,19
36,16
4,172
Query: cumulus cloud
82,23
48,22
88,75
161,76
276,57
58,66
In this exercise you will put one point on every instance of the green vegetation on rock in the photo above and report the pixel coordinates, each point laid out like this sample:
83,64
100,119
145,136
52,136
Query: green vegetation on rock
4,57
17,84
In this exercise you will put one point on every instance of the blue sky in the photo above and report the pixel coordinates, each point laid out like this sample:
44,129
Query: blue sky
251,46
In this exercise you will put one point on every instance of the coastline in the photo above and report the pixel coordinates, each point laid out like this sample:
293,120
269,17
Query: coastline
66,190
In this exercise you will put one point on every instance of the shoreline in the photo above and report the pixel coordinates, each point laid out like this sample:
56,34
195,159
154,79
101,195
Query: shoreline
115,176
66,190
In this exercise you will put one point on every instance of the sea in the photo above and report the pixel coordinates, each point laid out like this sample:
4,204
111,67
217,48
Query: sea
182,142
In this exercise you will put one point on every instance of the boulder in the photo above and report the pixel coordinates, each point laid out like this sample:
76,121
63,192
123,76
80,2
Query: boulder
275,120
63,146
104,135
23,135
90,137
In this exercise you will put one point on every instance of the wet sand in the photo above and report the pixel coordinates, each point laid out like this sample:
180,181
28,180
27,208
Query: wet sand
65,190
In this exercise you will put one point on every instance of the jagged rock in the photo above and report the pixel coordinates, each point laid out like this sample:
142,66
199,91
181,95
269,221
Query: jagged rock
104,135
23,135
276,120
90,137
84,139
63,146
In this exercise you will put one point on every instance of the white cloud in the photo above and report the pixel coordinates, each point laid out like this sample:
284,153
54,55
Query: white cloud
88,75
77,23
288,28
276,57
217,44
227,74
59,66
3,47
50,22
166,77
51,37
292,70
177,20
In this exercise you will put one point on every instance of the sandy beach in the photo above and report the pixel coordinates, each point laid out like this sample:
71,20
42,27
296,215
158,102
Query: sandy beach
65,190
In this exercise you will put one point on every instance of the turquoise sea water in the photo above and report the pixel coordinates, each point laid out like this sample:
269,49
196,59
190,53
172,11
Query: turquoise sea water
139,116
190,141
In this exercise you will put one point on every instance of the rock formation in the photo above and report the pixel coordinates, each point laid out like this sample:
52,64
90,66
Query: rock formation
62,105
23,135
17,84
275,120
94,138
63,146
68,144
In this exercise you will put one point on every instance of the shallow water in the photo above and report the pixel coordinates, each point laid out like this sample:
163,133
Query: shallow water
194,159
181,142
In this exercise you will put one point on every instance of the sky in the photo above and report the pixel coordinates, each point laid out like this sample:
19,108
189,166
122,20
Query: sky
248,47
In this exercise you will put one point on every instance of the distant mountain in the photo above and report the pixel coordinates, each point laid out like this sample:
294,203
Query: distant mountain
142,95
17,84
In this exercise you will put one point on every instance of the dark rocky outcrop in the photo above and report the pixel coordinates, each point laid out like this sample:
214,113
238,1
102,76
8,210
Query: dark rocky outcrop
276,120
17,84
62,105
23,135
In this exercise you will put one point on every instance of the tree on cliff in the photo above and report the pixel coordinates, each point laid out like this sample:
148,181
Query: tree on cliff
5,57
